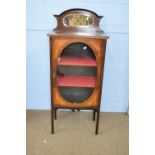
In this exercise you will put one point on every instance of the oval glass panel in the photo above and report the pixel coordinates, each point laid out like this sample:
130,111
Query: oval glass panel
76,72
78,20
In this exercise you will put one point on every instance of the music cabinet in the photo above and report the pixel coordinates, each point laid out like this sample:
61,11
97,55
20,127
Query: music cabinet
77,55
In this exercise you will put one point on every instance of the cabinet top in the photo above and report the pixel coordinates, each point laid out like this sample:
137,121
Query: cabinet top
78,22
78,34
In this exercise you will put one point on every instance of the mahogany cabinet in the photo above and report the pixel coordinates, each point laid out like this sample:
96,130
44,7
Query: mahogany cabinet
77,56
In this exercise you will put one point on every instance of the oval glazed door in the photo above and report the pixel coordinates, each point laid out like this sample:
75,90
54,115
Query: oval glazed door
76,72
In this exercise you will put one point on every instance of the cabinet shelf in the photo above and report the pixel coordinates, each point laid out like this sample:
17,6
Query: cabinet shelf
76,81
77,61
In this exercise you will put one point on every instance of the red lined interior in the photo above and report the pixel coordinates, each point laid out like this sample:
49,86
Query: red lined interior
76,81
77,61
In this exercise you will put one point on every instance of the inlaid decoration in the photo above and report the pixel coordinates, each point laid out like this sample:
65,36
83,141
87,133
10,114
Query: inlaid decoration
78,20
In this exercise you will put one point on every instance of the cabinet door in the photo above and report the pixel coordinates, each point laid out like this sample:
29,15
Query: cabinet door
77,67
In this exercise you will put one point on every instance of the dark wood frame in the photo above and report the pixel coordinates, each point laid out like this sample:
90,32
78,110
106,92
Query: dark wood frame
97,41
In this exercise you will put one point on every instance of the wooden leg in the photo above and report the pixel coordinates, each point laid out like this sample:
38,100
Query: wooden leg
97,122
94,115
55,114
73,110
52,121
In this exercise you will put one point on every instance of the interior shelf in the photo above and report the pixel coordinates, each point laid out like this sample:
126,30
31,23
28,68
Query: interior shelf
76,81
77,61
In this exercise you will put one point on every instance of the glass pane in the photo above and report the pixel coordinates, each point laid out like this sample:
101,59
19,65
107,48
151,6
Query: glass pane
78,20
76,72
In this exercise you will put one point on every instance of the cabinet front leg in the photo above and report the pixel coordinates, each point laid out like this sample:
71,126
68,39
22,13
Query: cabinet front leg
55,114
97,122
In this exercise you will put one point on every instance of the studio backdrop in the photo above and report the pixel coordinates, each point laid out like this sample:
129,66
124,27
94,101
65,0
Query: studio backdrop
40,21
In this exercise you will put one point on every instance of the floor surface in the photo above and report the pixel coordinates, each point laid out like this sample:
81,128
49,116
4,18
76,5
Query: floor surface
75,134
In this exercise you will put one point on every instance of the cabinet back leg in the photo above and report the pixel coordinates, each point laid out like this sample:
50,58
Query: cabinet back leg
94,112
52,121
97,122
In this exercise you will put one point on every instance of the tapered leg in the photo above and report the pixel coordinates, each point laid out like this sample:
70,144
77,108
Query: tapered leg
94,115
97,122
52,120
55,114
